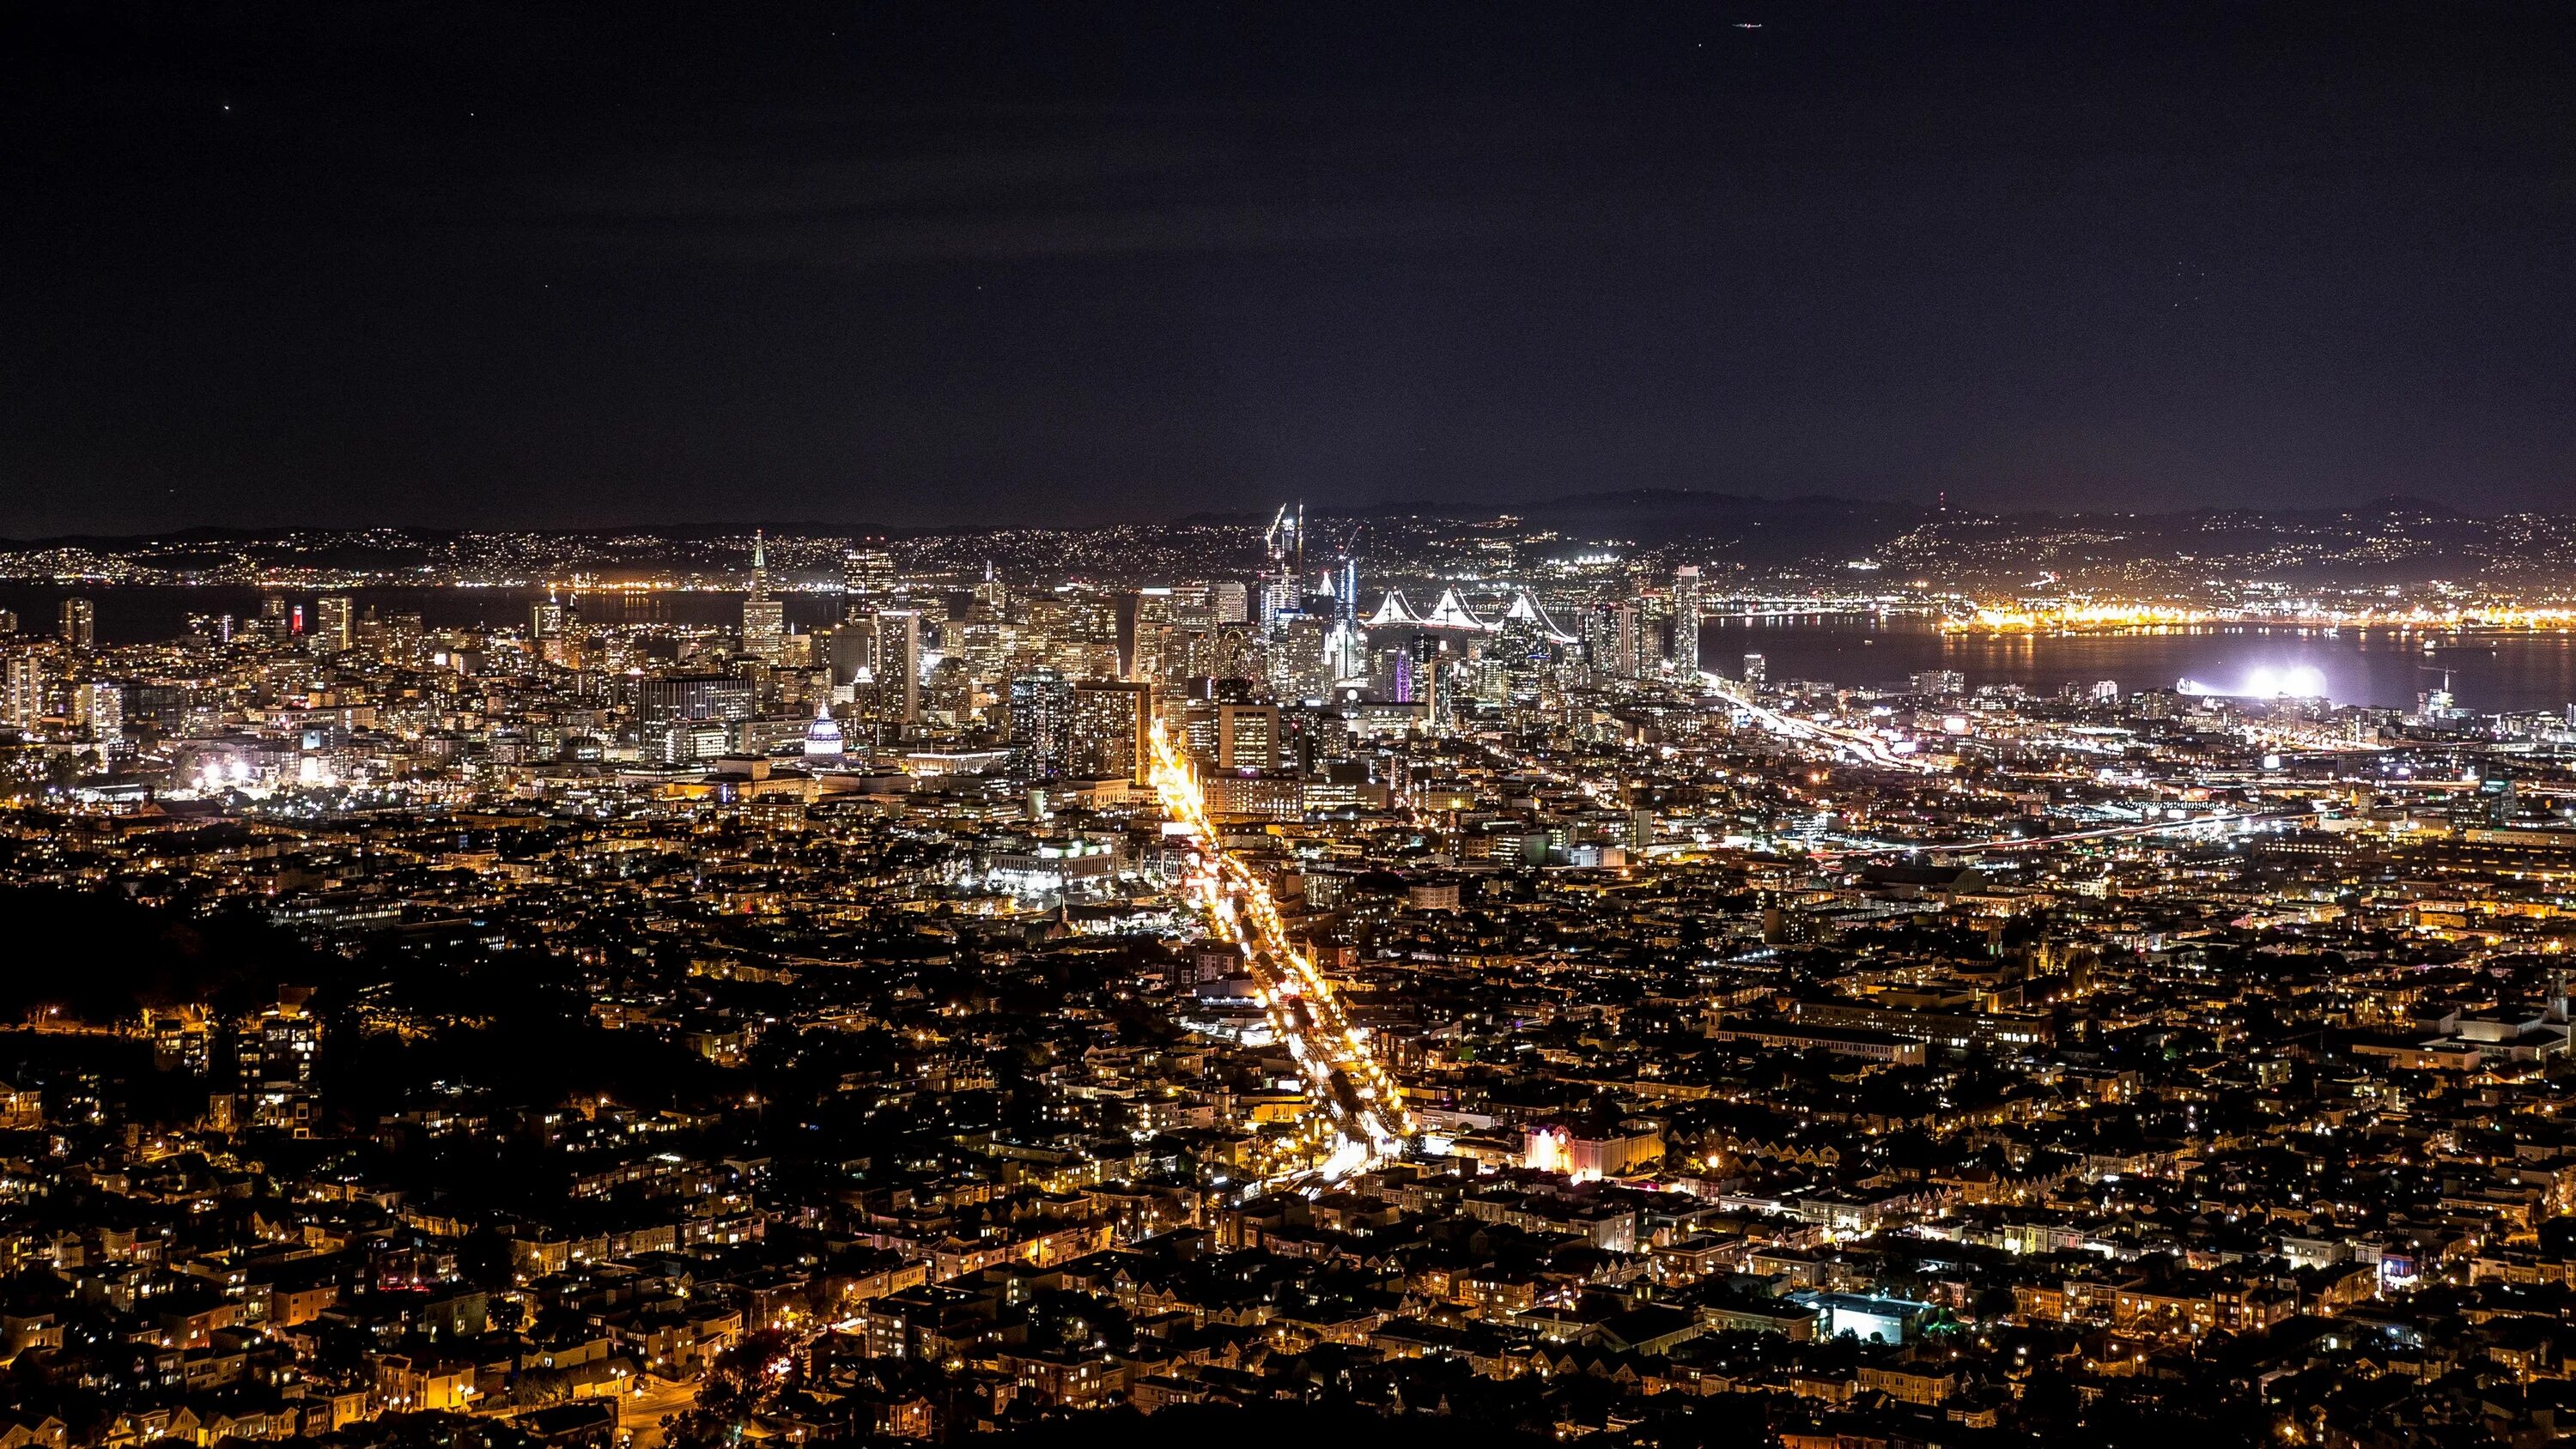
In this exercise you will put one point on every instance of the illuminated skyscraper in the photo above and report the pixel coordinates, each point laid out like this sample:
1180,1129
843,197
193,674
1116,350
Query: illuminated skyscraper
1110,739
1247,737
334,627
867,574
898,665
764,619
1041,723
1686,620
79,627
22,690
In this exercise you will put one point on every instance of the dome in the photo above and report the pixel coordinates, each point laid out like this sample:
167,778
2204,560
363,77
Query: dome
823,736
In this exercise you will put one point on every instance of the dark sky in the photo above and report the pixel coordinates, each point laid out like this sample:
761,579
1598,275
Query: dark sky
356,262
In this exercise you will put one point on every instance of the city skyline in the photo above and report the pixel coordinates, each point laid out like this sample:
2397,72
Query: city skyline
1765,726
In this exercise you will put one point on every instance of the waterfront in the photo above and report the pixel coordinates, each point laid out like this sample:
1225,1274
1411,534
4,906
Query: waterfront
2385,667
147,613
2487,671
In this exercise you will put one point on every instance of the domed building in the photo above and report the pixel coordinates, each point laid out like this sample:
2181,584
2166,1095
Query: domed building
823,742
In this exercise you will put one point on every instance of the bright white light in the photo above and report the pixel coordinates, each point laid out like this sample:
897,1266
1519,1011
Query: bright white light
2299,681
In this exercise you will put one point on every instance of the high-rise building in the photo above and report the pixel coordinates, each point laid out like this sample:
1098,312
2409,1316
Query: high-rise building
1686,620
1229,602
764,619
1041,723
79,627
335,626
1757,670
851,649
22,690
1939,683
98,706
693,698
867,575
1247,737
898,664
546,618
1111,739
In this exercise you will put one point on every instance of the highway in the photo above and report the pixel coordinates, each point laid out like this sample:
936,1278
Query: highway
1358,1101
1860,744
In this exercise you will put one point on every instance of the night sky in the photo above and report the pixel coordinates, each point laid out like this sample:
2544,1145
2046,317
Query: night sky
544,264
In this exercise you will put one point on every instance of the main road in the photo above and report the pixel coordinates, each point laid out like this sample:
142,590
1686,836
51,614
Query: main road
1358,1101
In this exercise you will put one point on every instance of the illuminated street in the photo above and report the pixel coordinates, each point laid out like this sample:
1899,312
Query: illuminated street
1344,1082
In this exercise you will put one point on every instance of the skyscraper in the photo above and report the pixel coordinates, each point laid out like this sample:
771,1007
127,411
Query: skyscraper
334,628
867,574
683,698
764,619
80,624
1110,734
1041,723
22,690
1247,736
898,664
1686,620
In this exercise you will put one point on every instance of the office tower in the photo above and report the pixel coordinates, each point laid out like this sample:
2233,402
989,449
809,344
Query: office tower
1041,723
1229,602
851,649
1190,606
898,671
1345,654
693,698
1757,670
22,690
79,627
546,618
1286,541
867,575
1110,736
8,621
334,623
992,598
1939,683
1279,600
1686,620
1247,736
764,619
